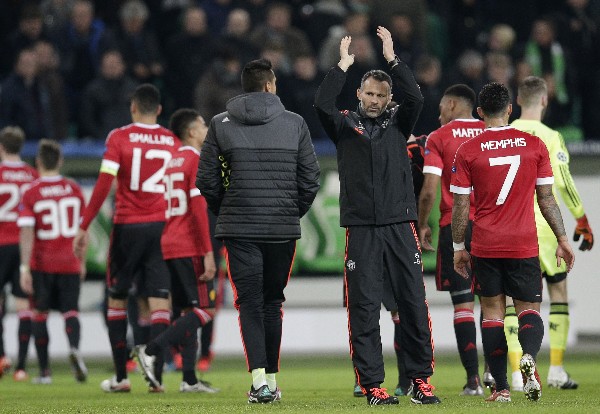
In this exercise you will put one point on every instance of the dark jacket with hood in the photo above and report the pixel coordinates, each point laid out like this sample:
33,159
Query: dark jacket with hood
258,170
376,185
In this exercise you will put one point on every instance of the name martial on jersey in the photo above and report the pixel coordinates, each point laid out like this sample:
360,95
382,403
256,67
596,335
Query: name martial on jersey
466,132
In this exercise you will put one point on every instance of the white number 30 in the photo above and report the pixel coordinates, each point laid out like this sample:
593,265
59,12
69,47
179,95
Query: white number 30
514,161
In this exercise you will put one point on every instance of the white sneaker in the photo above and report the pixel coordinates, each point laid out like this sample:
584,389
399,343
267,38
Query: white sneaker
146,363
277,394
200,386
111,385
531,378
559,378
517,381
44,380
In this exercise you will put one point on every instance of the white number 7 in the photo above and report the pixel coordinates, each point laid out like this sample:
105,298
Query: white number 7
514,161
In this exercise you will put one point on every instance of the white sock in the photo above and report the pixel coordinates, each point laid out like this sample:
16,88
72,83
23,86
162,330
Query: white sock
258,378
271,382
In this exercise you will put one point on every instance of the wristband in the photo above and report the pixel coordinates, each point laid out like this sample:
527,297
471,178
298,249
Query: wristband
458,246
394,61
24,268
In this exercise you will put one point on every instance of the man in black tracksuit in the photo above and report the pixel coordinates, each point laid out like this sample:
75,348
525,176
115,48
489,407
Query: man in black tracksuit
259,174
378,209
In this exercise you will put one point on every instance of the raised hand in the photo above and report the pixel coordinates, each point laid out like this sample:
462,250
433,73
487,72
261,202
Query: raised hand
346,60
388,44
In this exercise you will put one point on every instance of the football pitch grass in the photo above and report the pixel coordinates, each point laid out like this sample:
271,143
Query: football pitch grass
310,384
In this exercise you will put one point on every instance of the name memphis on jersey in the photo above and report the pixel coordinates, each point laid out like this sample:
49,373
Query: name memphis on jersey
505,143
466,132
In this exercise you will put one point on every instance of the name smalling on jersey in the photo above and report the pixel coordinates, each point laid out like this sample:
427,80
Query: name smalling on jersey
504,143
151,139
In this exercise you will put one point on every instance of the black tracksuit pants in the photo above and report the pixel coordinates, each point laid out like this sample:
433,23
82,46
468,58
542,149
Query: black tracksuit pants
258,273
372,254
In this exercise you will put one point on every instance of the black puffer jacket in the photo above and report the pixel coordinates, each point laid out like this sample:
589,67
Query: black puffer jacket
258,169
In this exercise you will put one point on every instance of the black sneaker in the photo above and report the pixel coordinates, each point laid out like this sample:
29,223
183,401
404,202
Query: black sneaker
422,393
261,395
78,366
378,396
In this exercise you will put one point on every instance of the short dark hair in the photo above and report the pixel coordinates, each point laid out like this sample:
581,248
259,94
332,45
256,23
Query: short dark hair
531,89
147,98
494,99
180,121
12,139
460,90
49,153
378,75
256,74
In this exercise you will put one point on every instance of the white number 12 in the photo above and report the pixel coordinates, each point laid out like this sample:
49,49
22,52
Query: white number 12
514,161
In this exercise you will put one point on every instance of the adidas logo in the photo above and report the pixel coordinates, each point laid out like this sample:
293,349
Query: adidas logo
226,119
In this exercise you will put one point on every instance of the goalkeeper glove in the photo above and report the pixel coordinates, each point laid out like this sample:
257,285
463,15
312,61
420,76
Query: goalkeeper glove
583,229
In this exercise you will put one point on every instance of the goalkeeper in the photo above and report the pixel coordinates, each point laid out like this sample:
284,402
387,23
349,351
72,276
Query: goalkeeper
533,99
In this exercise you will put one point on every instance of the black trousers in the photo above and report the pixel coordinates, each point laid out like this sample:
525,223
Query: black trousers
375,253
258,273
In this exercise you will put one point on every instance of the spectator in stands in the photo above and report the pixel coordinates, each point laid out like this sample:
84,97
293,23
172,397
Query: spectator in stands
274,52
53,81
105,103
80,45
217,12
24,100
415,10
408,46
581,21
469,69
318,19
356,24
137,44
56,13
297,92
257,10
428,74
277,27
548,60
189,53
500,39
219,84
30,29
235,36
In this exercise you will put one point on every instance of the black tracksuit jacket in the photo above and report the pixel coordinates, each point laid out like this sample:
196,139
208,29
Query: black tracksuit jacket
375,175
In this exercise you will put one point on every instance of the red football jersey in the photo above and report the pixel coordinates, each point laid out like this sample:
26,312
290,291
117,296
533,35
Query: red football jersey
52,205
502,166
138,155
439,156
15,178
186,233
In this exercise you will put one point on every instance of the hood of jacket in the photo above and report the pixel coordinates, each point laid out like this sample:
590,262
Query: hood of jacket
255,108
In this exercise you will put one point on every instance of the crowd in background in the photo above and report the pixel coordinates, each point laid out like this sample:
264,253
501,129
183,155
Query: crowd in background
68,67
